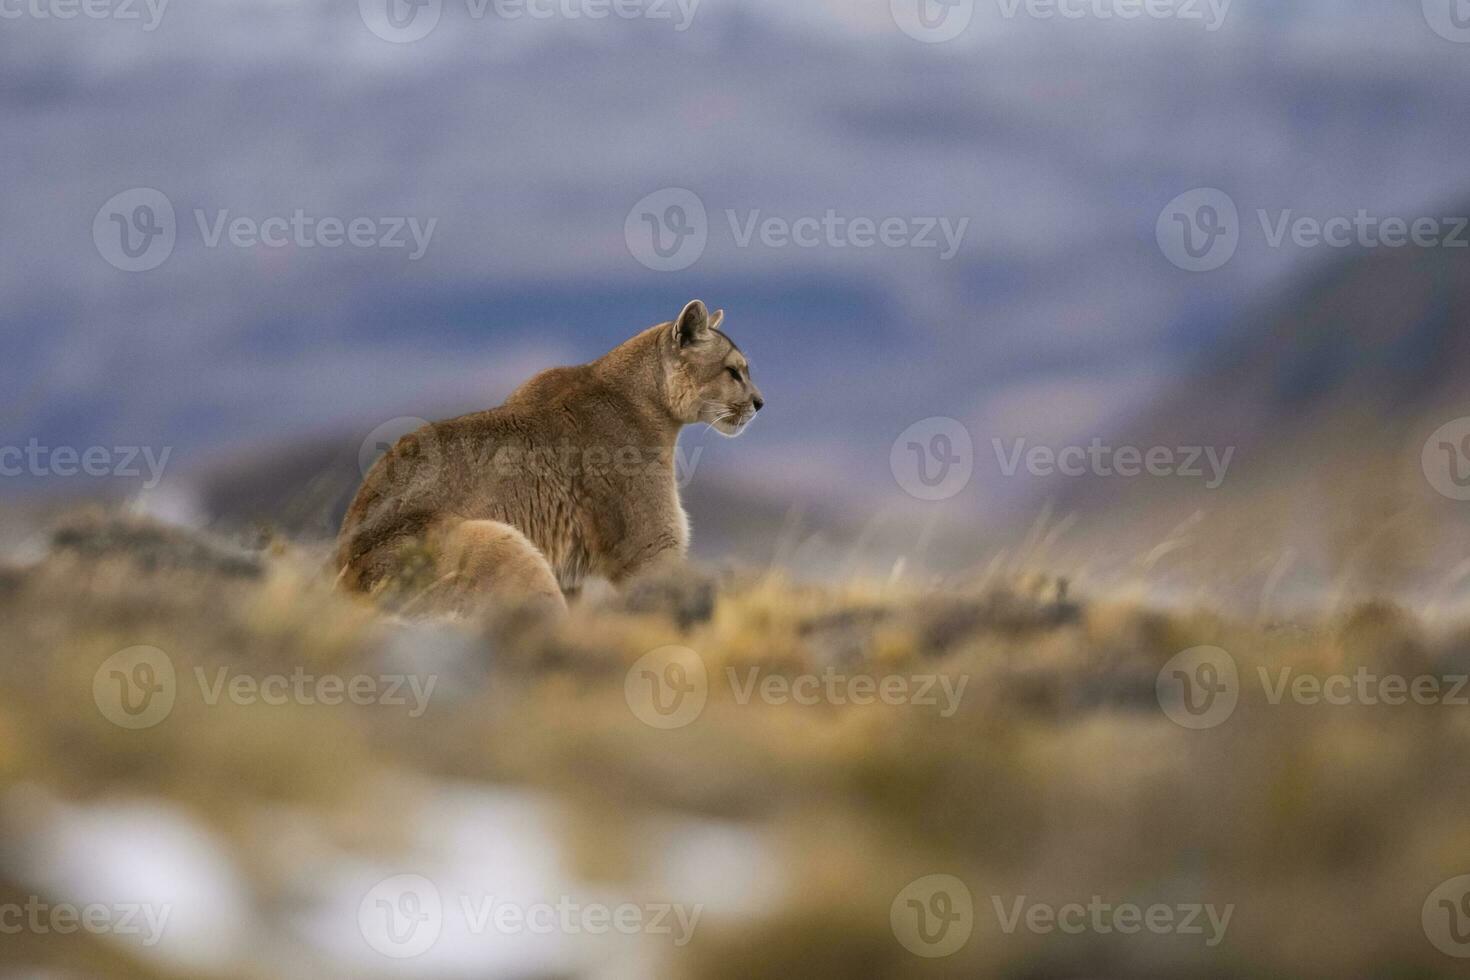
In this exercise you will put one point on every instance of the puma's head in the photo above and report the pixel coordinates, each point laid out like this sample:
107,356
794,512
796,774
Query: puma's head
708,377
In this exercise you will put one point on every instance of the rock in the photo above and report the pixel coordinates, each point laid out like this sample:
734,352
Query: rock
684,594
153,546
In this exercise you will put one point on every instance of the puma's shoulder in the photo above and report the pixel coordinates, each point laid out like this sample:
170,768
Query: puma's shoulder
585,403
558,384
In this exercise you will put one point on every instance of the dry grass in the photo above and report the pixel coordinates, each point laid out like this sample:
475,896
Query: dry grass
1058,777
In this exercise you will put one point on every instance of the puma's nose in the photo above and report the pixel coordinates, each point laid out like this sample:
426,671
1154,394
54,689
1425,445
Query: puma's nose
758,402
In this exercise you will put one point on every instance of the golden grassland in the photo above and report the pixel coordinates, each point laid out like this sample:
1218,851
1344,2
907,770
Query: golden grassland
1057,777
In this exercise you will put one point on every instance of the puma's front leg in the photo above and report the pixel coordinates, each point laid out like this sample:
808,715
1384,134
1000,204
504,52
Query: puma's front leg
647,558
659,581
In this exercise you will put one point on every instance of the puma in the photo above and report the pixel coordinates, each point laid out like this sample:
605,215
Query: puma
572,476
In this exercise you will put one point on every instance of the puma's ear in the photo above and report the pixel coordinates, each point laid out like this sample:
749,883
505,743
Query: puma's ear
716,318
692,325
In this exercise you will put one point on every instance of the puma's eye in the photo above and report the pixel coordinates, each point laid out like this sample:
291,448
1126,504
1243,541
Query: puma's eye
733,372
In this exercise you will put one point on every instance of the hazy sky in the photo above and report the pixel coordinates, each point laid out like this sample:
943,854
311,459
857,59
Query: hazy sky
1015,176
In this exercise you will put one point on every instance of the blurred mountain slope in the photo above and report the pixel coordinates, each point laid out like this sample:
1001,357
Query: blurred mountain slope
1327,393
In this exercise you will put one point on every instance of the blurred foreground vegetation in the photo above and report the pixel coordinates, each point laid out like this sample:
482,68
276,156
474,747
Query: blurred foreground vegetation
1056,775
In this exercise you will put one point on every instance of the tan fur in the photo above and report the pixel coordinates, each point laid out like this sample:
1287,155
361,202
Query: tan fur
488,558
573,475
